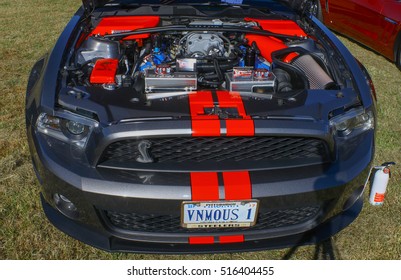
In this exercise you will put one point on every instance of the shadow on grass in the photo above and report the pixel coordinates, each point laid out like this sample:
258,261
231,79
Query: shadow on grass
325,250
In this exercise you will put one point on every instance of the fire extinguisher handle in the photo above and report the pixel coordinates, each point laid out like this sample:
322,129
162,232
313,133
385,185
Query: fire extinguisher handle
387,165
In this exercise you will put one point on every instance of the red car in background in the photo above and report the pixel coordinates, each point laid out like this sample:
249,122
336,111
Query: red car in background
374,23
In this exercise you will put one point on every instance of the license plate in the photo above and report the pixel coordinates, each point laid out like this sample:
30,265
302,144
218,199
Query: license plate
219,214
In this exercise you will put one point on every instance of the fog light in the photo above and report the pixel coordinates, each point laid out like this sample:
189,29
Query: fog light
65,206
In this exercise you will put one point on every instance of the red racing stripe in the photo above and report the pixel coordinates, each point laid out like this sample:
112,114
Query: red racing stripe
198,102
193,240
204,186
240,128
232,100
236,127
237,185
205,128
203,125
231,239
200,240
209,125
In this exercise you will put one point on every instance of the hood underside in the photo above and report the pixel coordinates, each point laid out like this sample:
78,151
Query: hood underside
89,5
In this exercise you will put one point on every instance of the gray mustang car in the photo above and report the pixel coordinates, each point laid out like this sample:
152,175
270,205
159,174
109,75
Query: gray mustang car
184,126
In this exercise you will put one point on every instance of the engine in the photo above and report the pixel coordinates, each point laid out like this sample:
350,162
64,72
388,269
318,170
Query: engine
198,44
184,61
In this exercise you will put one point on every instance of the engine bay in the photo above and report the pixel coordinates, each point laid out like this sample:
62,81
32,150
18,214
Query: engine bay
165,57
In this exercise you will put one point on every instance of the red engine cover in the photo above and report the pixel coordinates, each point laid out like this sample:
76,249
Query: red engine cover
267,45
104,72
286,27
111,25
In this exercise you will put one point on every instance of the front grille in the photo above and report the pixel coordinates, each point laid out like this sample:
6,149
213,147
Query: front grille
171,224
218,150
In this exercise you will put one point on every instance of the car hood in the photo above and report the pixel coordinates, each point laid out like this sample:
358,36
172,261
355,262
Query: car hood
275,6
89,5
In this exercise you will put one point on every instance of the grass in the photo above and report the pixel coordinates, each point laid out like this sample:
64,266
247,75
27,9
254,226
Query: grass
30,28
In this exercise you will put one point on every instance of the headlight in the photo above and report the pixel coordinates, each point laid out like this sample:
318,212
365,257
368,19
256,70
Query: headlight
76,128
353,122
67,127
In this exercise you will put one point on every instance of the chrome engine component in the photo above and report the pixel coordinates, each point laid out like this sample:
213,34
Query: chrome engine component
242,79
200,44
177,81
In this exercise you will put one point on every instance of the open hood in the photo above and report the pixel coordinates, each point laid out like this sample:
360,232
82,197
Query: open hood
89,5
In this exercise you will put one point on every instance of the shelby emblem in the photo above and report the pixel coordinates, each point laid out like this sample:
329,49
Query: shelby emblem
143,149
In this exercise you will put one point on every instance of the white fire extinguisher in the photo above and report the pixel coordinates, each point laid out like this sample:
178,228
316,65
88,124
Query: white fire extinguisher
379,183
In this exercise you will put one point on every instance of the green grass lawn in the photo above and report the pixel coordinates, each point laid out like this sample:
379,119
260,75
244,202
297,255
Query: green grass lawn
30,28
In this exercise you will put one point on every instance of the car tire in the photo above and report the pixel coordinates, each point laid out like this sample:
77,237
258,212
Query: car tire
398,56
315,9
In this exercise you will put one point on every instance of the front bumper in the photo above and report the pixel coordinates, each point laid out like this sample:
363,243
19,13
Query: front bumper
333,192
113,243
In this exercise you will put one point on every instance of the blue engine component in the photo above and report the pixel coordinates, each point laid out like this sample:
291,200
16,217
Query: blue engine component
158,56
241,63
261,63
146,65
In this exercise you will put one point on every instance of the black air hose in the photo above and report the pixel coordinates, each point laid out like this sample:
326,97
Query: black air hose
218,70
224,66
283,80
148,48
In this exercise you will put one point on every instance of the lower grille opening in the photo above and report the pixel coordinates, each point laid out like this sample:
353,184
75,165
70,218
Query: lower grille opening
171,224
